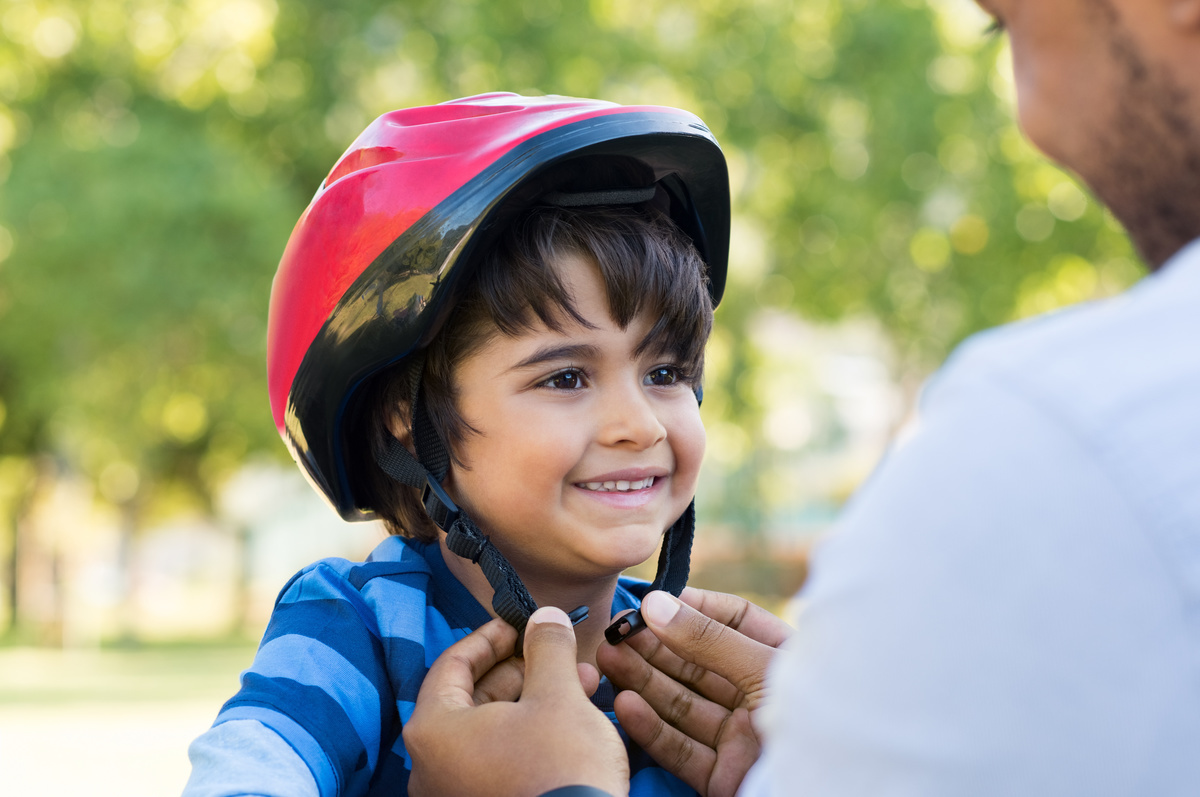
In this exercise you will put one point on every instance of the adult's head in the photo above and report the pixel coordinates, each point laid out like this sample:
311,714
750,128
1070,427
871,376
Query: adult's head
1111,89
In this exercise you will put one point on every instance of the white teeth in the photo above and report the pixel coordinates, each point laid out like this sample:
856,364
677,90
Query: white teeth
618,486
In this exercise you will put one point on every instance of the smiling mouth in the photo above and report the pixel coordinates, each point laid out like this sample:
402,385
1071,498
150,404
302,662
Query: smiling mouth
619,486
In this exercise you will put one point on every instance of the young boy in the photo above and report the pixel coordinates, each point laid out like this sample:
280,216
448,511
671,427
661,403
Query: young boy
488,330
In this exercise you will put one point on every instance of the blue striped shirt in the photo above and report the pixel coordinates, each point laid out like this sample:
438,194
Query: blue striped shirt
345,652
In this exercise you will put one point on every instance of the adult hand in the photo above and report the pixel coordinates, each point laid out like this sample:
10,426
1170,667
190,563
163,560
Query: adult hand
694,684
506,679
463,741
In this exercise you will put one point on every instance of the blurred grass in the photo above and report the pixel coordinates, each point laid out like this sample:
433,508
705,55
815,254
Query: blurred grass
137,707
37,676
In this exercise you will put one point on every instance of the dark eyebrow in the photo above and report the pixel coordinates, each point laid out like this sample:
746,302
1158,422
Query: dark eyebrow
547,354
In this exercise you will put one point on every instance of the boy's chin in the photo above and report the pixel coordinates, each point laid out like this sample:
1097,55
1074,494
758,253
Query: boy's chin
631,554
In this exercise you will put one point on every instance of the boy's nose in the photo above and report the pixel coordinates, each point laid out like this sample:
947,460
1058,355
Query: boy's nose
629,418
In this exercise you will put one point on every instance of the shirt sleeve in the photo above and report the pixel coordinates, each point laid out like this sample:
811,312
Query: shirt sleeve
987,619
246,758
320,682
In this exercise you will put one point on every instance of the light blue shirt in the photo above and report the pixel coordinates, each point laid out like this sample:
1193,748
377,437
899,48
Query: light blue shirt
1011,605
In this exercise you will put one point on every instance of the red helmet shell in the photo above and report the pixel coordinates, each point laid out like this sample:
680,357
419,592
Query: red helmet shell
373,256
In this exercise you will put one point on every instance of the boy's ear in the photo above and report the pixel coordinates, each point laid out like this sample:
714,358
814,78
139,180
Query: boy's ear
399,424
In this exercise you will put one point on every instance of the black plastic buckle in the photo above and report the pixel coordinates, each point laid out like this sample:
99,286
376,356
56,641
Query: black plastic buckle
438,505
624,627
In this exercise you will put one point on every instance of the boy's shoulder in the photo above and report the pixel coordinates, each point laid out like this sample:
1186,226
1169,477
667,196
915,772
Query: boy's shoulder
391,591
394,559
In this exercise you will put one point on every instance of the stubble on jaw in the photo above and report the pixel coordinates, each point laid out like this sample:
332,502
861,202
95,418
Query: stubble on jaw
1147,158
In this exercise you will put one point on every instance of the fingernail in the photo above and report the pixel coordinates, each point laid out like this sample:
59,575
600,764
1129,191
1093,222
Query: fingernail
659,607
550,614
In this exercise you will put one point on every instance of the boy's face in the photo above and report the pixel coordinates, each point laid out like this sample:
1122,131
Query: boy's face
586,449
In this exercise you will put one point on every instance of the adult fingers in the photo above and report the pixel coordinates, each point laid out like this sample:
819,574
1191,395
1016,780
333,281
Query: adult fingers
589,678
662,658
502,683
550,651
710,644
454,674
687,758
737,751
714,770
695,715
743,616
739,614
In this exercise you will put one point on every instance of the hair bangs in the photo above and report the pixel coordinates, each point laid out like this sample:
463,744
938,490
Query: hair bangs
646,266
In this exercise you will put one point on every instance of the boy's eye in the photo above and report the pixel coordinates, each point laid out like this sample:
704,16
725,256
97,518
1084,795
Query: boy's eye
565,380
662,377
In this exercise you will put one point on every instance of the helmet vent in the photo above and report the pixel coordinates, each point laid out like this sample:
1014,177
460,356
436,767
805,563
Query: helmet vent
361,159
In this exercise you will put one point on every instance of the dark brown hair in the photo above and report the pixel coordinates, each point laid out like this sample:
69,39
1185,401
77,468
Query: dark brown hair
646,265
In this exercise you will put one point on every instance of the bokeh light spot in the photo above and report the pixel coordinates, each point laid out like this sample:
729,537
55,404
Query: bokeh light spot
119,481
1067,201
929,249
54,37
185,417
969,235
1034,223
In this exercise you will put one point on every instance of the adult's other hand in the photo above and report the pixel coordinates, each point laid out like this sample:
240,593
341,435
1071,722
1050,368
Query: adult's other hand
693,685
464,741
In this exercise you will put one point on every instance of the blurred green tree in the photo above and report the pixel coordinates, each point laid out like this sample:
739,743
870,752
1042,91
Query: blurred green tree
154,154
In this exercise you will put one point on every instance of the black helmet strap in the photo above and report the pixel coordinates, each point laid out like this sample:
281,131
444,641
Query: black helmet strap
510,599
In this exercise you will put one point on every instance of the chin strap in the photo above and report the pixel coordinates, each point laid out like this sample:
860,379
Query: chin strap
510,600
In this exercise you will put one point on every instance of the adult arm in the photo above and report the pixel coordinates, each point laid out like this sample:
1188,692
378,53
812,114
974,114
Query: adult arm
990,618
552,738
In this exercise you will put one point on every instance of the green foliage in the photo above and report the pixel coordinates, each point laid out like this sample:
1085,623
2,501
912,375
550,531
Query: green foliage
136,291
156,154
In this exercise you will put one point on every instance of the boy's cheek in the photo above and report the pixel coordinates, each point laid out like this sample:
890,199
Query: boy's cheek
689,449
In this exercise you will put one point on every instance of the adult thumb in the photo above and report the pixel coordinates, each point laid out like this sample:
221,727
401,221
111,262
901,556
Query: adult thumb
708,643
550,653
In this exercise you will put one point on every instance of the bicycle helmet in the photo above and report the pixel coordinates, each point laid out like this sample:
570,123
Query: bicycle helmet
371,268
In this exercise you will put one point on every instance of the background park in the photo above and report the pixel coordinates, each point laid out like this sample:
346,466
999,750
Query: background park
154,155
